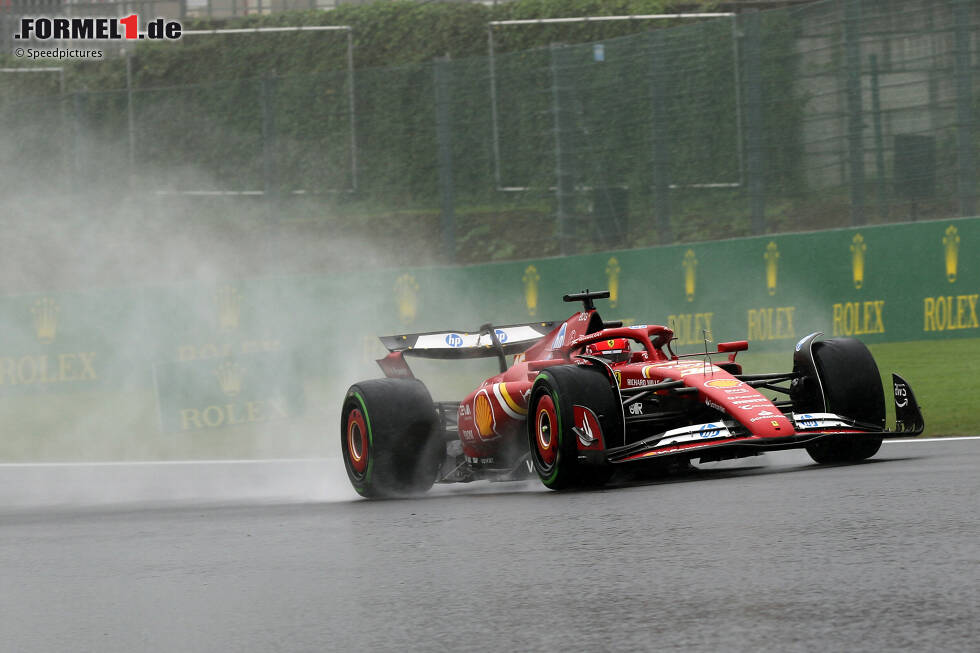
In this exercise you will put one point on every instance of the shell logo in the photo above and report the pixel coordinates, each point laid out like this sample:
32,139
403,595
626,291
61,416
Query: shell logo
483,415
858,248
531,279
723,383
772,266
951,244
612,275
690,274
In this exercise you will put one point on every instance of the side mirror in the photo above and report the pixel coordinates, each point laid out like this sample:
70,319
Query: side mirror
737,345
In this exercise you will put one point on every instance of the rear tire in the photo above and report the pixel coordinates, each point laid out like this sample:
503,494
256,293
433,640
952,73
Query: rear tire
852,387
389,438
553,444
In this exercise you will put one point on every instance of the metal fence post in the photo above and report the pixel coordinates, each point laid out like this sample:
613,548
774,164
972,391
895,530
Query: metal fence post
966,158
78,111
270,167
660,140
855,146
130,117
563,176
754,134
66,154
443,81
879,138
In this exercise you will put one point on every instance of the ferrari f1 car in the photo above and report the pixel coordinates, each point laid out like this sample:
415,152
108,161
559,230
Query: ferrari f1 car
583,398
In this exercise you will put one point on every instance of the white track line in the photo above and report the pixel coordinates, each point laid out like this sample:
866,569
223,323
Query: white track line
951,439
133,463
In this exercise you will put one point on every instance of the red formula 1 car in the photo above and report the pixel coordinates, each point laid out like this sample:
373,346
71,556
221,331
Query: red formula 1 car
583,398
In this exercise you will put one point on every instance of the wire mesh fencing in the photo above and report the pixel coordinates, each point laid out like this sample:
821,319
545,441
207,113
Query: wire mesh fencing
816,116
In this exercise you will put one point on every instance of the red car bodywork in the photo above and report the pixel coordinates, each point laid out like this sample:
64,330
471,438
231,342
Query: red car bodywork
714,411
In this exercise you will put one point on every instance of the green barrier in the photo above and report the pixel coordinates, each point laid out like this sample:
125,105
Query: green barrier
890,283
234,390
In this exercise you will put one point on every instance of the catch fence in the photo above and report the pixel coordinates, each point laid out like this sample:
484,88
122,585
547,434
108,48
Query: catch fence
823,115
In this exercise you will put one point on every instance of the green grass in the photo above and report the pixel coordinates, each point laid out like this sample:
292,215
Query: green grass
944,375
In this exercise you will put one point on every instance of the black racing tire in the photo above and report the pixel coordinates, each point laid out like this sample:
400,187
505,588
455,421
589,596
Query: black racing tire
852,386
552,442
389,438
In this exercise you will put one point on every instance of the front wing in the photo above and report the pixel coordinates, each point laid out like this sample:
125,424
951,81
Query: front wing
691,441
700,440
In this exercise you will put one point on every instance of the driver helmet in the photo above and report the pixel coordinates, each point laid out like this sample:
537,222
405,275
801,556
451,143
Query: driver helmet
614,350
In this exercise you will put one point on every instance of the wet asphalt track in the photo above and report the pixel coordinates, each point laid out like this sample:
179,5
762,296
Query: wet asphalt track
770,553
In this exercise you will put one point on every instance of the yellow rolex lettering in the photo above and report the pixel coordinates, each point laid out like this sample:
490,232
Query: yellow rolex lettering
702,322
688,326
232,414
838,319
950,312
26,370
785,321
859,318
66,365
929,315
213,416
190,418
966,311
252,346
755,324
771,323
8,371
88,368
42,367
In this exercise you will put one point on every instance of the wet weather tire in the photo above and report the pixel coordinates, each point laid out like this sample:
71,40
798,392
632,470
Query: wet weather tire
553,444
852,387
389,438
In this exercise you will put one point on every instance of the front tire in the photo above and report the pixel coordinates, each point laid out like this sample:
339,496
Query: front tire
553,444
389,438
852,388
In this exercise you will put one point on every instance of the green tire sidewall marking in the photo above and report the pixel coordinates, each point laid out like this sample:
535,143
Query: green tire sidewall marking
554,398
367,420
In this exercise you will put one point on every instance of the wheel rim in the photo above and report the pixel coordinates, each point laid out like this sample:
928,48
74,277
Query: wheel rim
357,441
545,425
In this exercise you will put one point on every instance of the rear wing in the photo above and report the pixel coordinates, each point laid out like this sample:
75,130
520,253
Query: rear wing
512,339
